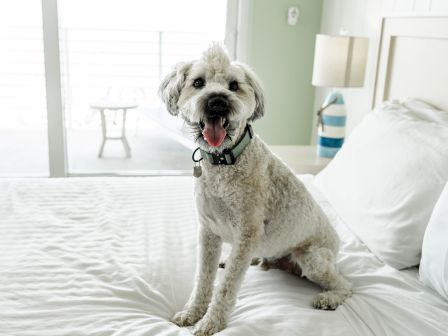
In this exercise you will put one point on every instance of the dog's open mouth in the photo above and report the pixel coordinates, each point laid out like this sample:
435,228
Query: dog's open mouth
214,130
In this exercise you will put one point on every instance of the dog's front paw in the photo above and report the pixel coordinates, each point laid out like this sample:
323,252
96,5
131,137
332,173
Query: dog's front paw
187,317
330,300
209,325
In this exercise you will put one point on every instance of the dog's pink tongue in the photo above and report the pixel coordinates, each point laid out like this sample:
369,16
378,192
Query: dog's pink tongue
213,131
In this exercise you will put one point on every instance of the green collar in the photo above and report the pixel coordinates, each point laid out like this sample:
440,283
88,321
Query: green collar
229,156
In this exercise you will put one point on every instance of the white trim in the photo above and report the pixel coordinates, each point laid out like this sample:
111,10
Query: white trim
392,80
231,38
245,17
413,15
56,130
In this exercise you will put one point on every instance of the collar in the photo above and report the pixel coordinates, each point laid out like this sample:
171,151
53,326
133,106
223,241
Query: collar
229,156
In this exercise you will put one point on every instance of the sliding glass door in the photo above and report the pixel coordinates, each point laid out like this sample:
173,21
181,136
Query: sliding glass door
23,117
113,57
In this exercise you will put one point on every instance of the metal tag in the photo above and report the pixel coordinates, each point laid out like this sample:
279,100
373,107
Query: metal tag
197,171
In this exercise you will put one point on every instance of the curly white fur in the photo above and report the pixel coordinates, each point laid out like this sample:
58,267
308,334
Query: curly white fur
257,205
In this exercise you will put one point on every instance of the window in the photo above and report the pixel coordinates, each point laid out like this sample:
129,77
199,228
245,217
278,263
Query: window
113,55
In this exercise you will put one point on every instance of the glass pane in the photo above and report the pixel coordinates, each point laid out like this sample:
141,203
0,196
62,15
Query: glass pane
23,118
113,57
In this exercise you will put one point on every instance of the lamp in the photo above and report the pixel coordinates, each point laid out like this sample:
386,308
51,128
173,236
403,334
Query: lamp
339,61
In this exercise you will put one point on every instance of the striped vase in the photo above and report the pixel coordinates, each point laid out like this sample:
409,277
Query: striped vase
331,133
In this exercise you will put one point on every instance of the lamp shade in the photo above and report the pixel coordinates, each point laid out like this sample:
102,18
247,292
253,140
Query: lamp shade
339,61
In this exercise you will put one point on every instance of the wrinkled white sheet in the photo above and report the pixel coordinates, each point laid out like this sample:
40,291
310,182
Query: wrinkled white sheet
116,256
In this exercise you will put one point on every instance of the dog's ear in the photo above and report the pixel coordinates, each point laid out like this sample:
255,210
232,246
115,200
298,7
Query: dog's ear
253,81
172,85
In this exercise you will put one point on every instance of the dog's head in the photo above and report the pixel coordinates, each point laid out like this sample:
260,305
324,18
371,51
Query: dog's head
215,97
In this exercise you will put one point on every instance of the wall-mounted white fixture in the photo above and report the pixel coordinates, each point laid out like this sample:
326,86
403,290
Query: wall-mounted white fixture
293,15
343,31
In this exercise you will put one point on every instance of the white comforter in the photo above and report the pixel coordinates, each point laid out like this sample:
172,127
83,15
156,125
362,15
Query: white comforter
116,256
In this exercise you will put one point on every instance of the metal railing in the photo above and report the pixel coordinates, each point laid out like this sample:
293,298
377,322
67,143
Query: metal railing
93,63
127,62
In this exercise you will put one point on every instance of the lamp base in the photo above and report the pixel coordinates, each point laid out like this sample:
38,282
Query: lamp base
331,129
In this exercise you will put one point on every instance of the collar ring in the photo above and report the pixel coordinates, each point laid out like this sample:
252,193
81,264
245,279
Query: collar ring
196,160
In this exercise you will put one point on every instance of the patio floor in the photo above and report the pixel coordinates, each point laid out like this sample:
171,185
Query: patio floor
154,150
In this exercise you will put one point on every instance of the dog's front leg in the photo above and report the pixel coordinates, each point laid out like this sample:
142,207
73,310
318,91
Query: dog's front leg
224,299
209,251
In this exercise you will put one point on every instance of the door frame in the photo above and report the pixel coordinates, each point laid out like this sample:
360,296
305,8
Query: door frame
57,149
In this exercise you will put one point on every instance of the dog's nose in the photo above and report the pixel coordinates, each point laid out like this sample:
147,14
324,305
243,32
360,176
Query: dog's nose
217,104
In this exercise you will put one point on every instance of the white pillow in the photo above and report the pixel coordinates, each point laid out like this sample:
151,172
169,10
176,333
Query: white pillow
385,181
434,263
426,111
419,109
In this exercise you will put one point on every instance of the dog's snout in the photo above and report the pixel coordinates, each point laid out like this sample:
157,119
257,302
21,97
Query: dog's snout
217,104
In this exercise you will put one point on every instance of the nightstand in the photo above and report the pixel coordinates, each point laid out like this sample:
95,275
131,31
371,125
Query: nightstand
301,159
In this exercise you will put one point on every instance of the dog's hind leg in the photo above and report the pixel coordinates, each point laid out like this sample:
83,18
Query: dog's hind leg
254,262
286,263
318,265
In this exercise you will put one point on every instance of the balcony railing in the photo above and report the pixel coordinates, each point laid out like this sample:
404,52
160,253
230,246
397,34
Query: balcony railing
94,62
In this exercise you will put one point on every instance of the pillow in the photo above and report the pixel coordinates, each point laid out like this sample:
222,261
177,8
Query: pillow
419,109
434,263
385,181
426,111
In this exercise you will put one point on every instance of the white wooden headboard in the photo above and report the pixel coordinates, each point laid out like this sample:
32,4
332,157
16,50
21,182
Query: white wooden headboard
413,60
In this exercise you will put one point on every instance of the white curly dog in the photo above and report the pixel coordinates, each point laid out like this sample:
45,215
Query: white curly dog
246,196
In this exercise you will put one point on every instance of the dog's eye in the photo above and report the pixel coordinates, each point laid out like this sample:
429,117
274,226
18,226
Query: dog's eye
198,83
233,86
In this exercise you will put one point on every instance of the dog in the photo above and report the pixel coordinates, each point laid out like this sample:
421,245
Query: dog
244,194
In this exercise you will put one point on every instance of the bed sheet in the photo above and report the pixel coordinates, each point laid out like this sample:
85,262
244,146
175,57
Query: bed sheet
116,256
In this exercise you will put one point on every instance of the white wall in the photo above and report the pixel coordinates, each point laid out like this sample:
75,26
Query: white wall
363,18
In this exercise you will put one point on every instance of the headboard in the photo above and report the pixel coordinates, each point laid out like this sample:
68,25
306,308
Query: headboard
413,60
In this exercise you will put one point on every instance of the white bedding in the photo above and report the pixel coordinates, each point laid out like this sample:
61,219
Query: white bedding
116,256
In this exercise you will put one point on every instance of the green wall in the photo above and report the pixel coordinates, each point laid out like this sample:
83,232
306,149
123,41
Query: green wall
282,56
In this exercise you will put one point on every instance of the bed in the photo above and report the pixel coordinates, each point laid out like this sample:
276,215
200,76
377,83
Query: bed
116,256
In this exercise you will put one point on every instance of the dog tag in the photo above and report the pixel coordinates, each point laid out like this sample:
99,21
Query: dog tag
197,171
